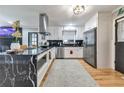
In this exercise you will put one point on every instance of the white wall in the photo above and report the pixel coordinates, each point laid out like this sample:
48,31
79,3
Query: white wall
104,40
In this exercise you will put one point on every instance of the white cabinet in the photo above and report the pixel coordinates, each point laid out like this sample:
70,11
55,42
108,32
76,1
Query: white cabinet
52,53
73,52
56,33
79,35
51,30
79,52
41,69
92,22
50,56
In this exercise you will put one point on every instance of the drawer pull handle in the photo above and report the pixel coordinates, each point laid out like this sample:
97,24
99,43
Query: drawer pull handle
71,52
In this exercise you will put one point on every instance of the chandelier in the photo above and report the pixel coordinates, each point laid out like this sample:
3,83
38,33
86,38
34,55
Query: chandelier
78,9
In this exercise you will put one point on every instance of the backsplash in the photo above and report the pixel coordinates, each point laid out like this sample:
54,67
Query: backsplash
58,43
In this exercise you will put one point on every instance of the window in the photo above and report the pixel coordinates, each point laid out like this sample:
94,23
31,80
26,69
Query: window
120,32
69,35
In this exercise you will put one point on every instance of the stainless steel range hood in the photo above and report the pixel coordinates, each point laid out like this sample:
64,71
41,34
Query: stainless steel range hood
43,24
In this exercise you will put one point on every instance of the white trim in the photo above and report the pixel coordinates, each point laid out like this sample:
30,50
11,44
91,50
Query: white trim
122,19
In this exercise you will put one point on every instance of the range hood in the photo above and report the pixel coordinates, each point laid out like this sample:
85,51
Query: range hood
43,24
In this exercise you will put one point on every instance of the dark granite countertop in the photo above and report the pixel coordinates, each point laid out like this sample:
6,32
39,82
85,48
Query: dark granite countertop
31,51
35,51
69,46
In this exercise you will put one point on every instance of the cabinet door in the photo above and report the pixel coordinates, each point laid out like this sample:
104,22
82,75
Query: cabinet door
53,53
56,37
51,30
60,29
80,52
51,37
73,52
84,52
68,52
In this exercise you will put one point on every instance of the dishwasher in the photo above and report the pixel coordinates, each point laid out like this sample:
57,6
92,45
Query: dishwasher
59,52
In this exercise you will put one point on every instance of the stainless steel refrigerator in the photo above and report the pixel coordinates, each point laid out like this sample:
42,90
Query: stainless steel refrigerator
89,50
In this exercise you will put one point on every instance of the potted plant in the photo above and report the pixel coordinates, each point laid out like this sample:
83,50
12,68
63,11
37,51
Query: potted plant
15,44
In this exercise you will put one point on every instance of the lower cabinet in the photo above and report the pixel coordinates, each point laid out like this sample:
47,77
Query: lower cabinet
73,52
69,52
43,62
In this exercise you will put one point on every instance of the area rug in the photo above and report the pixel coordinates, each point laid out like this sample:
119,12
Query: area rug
68,73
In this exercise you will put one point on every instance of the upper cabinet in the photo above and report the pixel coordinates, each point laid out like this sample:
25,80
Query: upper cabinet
57,32
92,22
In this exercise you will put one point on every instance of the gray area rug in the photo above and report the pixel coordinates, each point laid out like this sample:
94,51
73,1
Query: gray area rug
69,73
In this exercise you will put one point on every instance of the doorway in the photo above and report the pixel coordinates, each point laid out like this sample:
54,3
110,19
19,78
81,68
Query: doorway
33,39
119,44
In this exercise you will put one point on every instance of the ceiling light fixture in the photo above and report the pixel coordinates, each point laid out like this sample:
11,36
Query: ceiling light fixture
78,9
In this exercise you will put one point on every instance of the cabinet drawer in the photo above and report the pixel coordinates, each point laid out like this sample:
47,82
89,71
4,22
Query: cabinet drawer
73,52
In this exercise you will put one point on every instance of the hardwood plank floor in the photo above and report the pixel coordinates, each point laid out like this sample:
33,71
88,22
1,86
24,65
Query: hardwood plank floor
105,77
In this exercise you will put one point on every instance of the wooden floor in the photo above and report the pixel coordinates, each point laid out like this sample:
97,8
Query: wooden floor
105,77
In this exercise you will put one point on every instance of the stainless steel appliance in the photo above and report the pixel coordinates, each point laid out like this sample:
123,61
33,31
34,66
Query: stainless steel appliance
43,24
89,50
60,52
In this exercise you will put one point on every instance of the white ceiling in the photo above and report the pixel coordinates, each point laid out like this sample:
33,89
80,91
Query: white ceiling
58,14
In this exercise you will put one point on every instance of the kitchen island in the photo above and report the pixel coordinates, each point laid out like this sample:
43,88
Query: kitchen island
20,69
